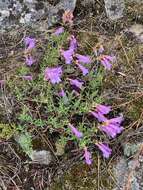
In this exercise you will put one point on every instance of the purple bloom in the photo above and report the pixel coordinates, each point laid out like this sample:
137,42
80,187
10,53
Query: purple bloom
76,83
27,77
101,49
73,43
59,31
116,120
2,82
87,156
83,69
77,133
105,61
105,149
29,42
112,126
53,74
83,58
103,109
68,55
62,93
29,60
99,116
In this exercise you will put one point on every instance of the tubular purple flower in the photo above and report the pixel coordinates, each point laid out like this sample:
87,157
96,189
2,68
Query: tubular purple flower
27,77
62,93
106,151
53,74
87,156
99,116
2,82
116,120
83,58
83,69
105,61
73,43
58,31
106,64
29,60
68,55
29,43
77,133
112,126
109,58
101,49
103,109
76,83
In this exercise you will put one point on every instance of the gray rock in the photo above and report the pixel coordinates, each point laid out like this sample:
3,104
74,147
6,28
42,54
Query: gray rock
41,157
27,12
130,166
114,8
120,173
130,149
137,30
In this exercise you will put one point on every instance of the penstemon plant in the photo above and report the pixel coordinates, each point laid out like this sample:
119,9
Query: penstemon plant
68,89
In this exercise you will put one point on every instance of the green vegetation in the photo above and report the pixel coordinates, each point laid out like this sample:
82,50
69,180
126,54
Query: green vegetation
39,102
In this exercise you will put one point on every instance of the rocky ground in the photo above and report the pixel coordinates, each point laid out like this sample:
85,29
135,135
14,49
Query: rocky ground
123,88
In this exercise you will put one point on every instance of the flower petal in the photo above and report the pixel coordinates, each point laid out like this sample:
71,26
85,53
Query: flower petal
105,149
77,133
83,58
87,156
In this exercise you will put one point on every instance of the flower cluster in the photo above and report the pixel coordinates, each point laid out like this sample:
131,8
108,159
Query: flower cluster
53,74
111,127
29,45
70,56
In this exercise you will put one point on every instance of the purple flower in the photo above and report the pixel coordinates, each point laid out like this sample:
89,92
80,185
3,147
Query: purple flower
103,109
27,77
73,43
76,83
99,116
87,156
83,58
83,69
112,126
77,133
116,120
105,61
53,74
101,49
62,93
2,82
29,42
68,55
105,149
58,31
29,60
